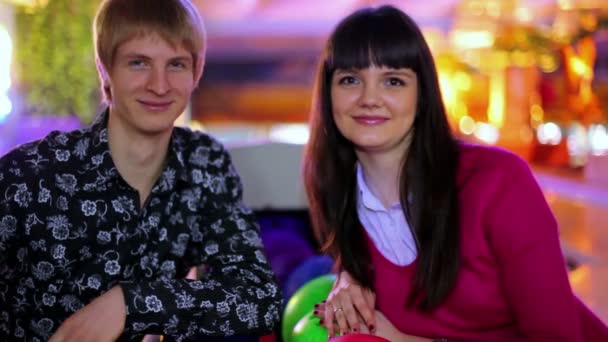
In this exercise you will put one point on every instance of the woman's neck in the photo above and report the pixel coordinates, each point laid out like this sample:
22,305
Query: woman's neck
382,175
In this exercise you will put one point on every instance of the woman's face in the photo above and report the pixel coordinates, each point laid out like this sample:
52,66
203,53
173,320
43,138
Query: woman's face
374,108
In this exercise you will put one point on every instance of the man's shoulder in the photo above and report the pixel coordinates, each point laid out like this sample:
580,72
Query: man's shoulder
19,155
34,157
190,139
195,143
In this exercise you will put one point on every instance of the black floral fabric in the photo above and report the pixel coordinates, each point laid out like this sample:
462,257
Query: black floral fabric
71,228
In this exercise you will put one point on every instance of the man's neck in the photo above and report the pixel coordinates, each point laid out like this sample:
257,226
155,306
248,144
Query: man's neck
139,158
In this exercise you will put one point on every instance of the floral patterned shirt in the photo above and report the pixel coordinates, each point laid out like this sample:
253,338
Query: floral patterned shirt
71,228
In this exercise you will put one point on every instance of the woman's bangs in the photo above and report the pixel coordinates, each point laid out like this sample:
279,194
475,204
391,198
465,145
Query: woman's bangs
360,47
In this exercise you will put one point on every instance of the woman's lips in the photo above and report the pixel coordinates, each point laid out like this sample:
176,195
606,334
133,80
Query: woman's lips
370,120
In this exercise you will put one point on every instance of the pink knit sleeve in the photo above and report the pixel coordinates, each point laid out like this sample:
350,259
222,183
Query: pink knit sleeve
593,328
524,236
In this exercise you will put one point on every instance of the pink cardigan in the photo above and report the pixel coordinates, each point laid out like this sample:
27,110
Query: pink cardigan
512,284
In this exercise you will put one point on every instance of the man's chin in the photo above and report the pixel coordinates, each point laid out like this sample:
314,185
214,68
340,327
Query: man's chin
155,130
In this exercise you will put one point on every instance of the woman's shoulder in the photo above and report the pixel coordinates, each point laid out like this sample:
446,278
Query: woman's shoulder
491,161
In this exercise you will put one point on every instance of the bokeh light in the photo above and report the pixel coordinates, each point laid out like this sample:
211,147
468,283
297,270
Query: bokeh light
6,52
290,133
578,144
486,133
467,125
549,134
598,139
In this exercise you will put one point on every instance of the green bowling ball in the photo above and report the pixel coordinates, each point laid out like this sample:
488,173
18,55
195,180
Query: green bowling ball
308,329
303,301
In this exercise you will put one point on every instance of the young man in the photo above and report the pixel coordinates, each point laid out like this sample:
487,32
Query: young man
98,227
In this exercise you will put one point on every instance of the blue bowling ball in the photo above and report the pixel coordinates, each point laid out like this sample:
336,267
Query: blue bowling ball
285,250
307,270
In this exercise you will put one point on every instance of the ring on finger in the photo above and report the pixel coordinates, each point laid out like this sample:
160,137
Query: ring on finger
338,309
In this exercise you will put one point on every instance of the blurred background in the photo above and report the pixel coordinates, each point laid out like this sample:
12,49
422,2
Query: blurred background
528,75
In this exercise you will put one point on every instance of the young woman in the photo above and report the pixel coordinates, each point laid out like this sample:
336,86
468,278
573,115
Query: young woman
437,239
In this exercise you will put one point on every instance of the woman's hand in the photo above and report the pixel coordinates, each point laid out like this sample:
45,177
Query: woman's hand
387,330
384,328
348,307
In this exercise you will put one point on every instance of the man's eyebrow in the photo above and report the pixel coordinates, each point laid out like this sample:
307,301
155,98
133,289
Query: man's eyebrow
135,55
182,58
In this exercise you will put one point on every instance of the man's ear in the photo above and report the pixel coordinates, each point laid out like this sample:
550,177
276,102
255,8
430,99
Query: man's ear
101,71
198,72
104,78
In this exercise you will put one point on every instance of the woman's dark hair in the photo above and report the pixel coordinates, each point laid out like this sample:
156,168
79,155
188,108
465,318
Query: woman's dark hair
385,36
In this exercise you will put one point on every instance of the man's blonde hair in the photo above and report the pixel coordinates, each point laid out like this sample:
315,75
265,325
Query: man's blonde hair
117,21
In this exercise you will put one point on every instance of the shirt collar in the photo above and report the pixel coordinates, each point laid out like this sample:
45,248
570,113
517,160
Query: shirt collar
174,170
365,196
98,152
175,157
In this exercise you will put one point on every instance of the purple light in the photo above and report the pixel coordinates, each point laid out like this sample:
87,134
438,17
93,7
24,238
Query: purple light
6,51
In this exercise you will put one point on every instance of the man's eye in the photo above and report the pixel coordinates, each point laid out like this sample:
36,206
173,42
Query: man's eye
179,65
137,63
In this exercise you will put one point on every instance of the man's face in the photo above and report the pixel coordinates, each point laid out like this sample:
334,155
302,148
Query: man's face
150,82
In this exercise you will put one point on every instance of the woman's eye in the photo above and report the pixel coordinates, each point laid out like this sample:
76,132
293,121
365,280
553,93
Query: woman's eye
394,81
347,80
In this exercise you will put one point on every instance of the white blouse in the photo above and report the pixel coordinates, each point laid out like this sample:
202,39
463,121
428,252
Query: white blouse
388,228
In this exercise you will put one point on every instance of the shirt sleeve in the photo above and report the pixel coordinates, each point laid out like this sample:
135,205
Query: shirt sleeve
14,194
524,235
593,327
237,295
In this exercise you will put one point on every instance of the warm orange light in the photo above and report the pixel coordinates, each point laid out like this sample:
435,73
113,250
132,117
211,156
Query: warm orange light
466,125
522,58
462,81
447,91
579,278
580,68
464,39
523,14
547,63
589,22
536,115
565,4
496,107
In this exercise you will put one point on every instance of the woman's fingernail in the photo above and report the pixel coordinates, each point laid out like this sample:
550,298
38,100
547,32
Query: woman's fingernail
315,312
316,306
321,321
372,328
325,301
